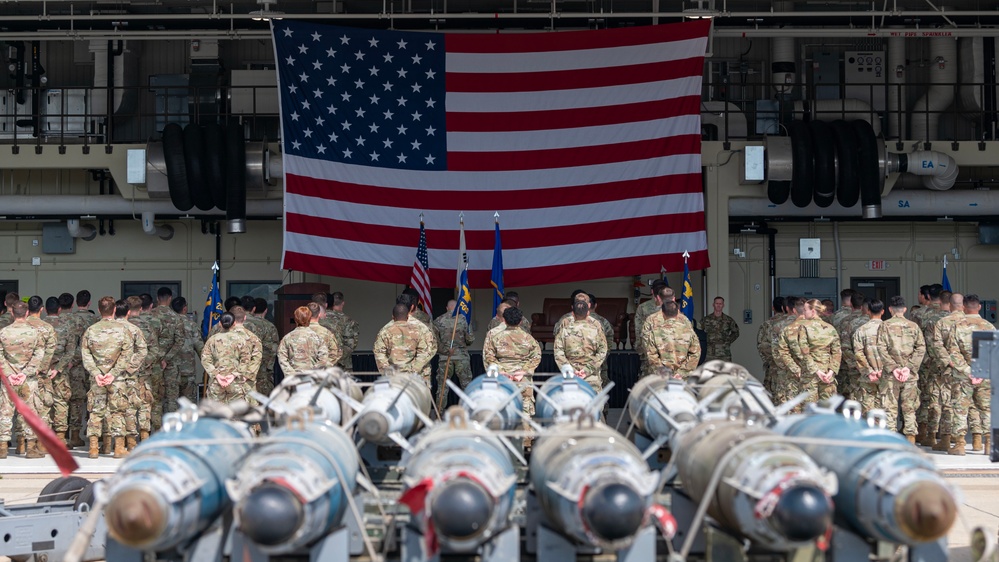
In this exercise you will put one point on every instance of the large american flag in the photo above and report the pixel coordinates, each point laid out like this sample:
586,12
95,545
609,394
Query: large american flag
587,144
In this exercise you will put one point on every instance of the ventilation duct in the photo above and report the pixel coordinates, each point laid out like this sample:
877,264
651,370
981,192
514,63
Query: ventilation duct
83,232
942,78
62,206
979,90
938,170
921,203
782,67
149,226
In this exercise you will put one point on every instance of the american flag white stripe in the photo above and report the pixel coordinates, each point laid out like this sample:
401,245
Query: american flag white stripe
420,180
420,279
576,59
550,100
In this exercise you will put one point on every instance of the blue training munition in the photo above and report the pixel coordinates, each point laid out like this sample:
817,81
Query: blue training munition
563,394
172,487
294,488
493,400
395,407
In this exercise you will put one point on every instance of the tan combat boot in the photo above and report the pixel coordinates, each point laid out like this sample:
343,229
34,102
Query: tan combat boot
958,448
921,434
911,439
130,442
119,448
76,438
3,449
93,452
943,444
106,449
143,435
20,445
31,450
987,444
976,442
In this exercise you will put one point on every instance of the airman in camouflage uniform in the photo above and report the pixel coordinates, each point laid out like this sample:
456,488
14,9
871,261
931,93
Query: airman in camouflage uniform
193,347
452,354
330,340
498,320
786,355
722,331
231,360
149,414
6,319
21,356
965,390
269,339
901,346
916,312
848,378
79,380
582,345
821,354
932,369
605,327
45,395
868,364
405,345
936,348
671,343
301,349
131,396
763,344
65,353
515,352
845,309
172,340
106,349
346,328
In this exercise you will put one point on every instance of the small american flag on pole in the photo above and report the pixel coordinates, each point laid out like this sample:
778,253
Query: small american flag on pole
420,280
588,143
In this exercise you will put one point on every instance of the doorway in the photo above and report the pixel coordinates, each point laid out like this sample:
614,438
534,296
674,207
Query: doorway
881,288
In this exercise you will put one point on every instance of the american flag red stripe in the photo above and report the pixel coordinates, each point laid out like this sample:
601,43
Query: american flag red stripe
587,143
420,279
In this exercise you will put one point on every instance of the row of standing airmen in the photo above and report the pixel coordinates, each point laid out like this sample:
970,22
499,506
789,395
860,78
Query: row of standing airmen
920,367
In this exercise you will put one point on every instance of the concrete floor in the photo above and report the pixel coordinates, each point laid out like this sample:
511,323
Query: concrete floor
977,479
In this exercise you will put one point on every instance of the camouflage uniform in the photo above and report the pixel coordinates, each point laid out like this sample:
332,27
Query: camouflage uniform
460,363
936,348
407,346
840,315
842,325
608,331
299,350
79,379
235,353
671,343
106,348
642,312
331,342
820,351
901,344
583,345
496,321
150,411
422,316
172,339
963,393
766,352
187,363
722,332
49,342
21,351
131,397
867,360
65,353
346,328
932,373
268,336
512,350
786,358
6,319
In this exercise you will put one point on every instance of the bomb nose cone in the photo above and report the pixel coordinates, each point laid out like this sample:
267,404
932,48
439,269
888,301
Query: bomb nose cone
613,512
269,515
136,517
494,423
925,510
373,426
462,509
803,513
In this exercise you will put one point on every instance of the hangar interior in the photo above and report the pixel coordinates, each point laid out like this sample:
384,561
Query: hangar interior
90,87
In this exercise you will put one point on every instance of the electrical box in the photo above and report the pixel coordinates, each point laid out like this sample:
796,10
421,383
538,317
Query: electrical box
754,164
988,310
864,74
808,287
809,248
747,316
825,76
56,239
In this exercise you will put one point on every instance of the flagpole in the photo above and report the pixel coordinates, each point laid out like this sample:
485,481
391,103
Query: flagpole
442,383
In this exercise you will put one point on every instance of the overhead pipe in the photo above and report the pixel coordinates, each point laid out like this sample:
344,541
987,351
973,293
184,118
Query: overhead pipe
938,170
896,88
84,232
938,97
905,203
61,206
782,68
149,226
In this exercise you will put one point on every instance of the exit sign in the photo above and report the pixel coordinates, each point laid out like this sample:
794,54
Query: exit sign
877,265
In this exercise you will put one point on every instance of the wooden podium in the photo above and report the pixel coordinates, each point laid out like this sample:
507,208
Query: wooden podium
290,297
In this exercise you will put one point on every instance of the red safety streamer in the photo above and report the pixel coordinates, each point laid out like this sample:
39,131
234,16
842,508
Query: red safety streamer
63,458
